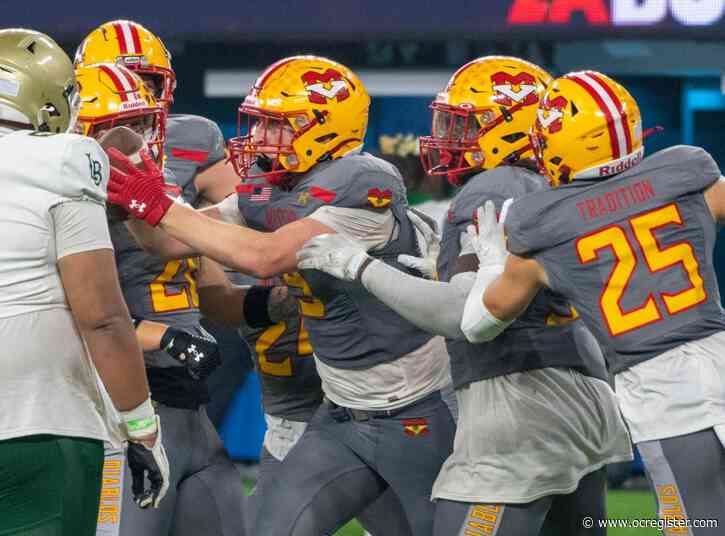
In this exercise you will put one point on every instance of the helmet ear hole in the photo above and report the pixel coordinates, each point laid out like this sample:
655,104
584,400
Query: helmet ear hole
327,137
513,137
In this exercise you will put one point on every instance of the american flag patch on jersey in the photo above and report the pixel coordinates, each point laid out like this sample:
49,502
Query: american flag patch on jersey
255,192
262,193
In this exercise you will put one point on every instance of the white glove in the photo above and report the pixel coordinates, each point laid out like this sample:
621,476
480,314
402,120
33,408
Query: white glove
152,463
489,241
427,264
333,254
489,244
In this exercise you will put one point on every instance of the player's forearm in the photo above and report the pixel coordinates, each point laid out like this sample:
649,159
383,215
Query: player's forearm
149,334
223,303
117,356
158,243
433,306
239,248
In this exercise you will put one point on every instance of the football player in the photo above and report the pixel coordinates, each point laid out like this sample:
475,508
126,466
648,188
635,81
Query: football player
64,322
195,160
194,146
538,420
179,354
629,241
384,423
269,320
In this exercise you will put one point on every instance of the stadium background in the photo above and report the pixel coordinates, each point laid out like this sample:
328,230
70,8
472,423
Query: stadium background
669,53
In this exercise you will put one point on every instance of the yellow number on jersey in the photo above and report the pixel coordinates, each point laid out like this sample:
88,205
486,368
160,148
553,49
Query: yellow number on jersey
167,296
308,306
269,337
657,259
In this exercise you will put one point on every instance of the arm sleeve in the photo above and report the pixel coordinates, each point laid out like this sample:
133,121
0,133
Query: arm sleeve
433,306
373,229
79,226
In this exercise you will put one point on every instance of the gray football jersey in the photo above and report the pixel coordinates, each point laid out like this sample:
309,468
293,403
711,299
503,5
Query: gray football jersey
548,334
348,327
282,353
193,144
633,253
155,290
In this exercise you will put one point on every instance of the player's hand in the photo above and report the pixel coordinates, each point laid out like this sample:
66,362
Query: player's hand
147,460
488,240
139,191
427,264
333,254
198,352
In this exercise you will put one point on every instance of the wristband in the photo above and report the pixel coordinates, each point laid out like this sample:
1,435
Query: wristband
140,421
167,339
256,313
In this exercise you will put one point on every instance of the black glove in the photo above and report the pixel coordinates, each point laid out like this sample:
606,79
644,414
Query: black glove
200,353
154,465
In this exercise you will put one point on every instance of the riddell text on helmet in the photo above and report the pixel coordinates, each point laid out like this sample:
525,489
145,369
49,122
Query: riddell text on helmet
622,165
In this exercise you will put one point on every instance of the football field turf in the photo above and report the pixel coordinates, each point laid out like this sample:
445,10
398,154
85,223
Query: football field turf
621,505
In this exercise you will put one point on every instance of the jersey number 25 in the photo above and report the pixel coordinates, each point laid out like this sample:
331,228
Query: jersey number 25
657,259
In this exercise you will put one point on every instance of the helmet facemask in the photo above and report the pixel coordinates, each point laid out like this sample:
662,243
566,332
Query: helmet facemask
150,125
266,139
455,146
455,131
160,82
73,96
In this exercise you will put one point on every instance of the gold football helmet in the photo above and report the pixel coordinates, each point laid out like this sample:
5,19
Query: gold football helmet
302,110
127,43
587,126
482,118
112,96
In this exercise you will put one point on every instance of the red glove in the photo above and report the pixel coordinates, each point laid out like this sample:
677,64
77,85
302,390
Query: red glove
138,191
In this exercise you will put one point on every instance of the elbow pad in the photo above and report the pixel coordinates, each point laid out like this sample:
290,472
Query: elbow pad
478,324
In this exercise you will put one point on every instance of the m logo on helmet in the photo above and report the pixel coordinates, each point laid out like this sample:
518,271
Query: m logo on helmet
519,89
323,87
549,115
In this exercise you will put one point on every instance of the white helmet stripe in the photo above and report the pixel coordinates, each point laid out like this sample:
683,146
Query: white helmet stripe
128,36
612,108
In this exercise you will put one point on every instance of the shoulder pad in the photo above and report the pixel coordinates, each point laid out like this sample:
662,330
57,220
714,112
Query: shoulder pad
357,181
84,169
695,162
194,138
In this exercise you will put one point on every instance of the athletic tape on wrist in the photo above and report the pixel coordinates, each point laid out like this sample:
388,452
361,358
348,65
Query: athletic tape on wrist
140,421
